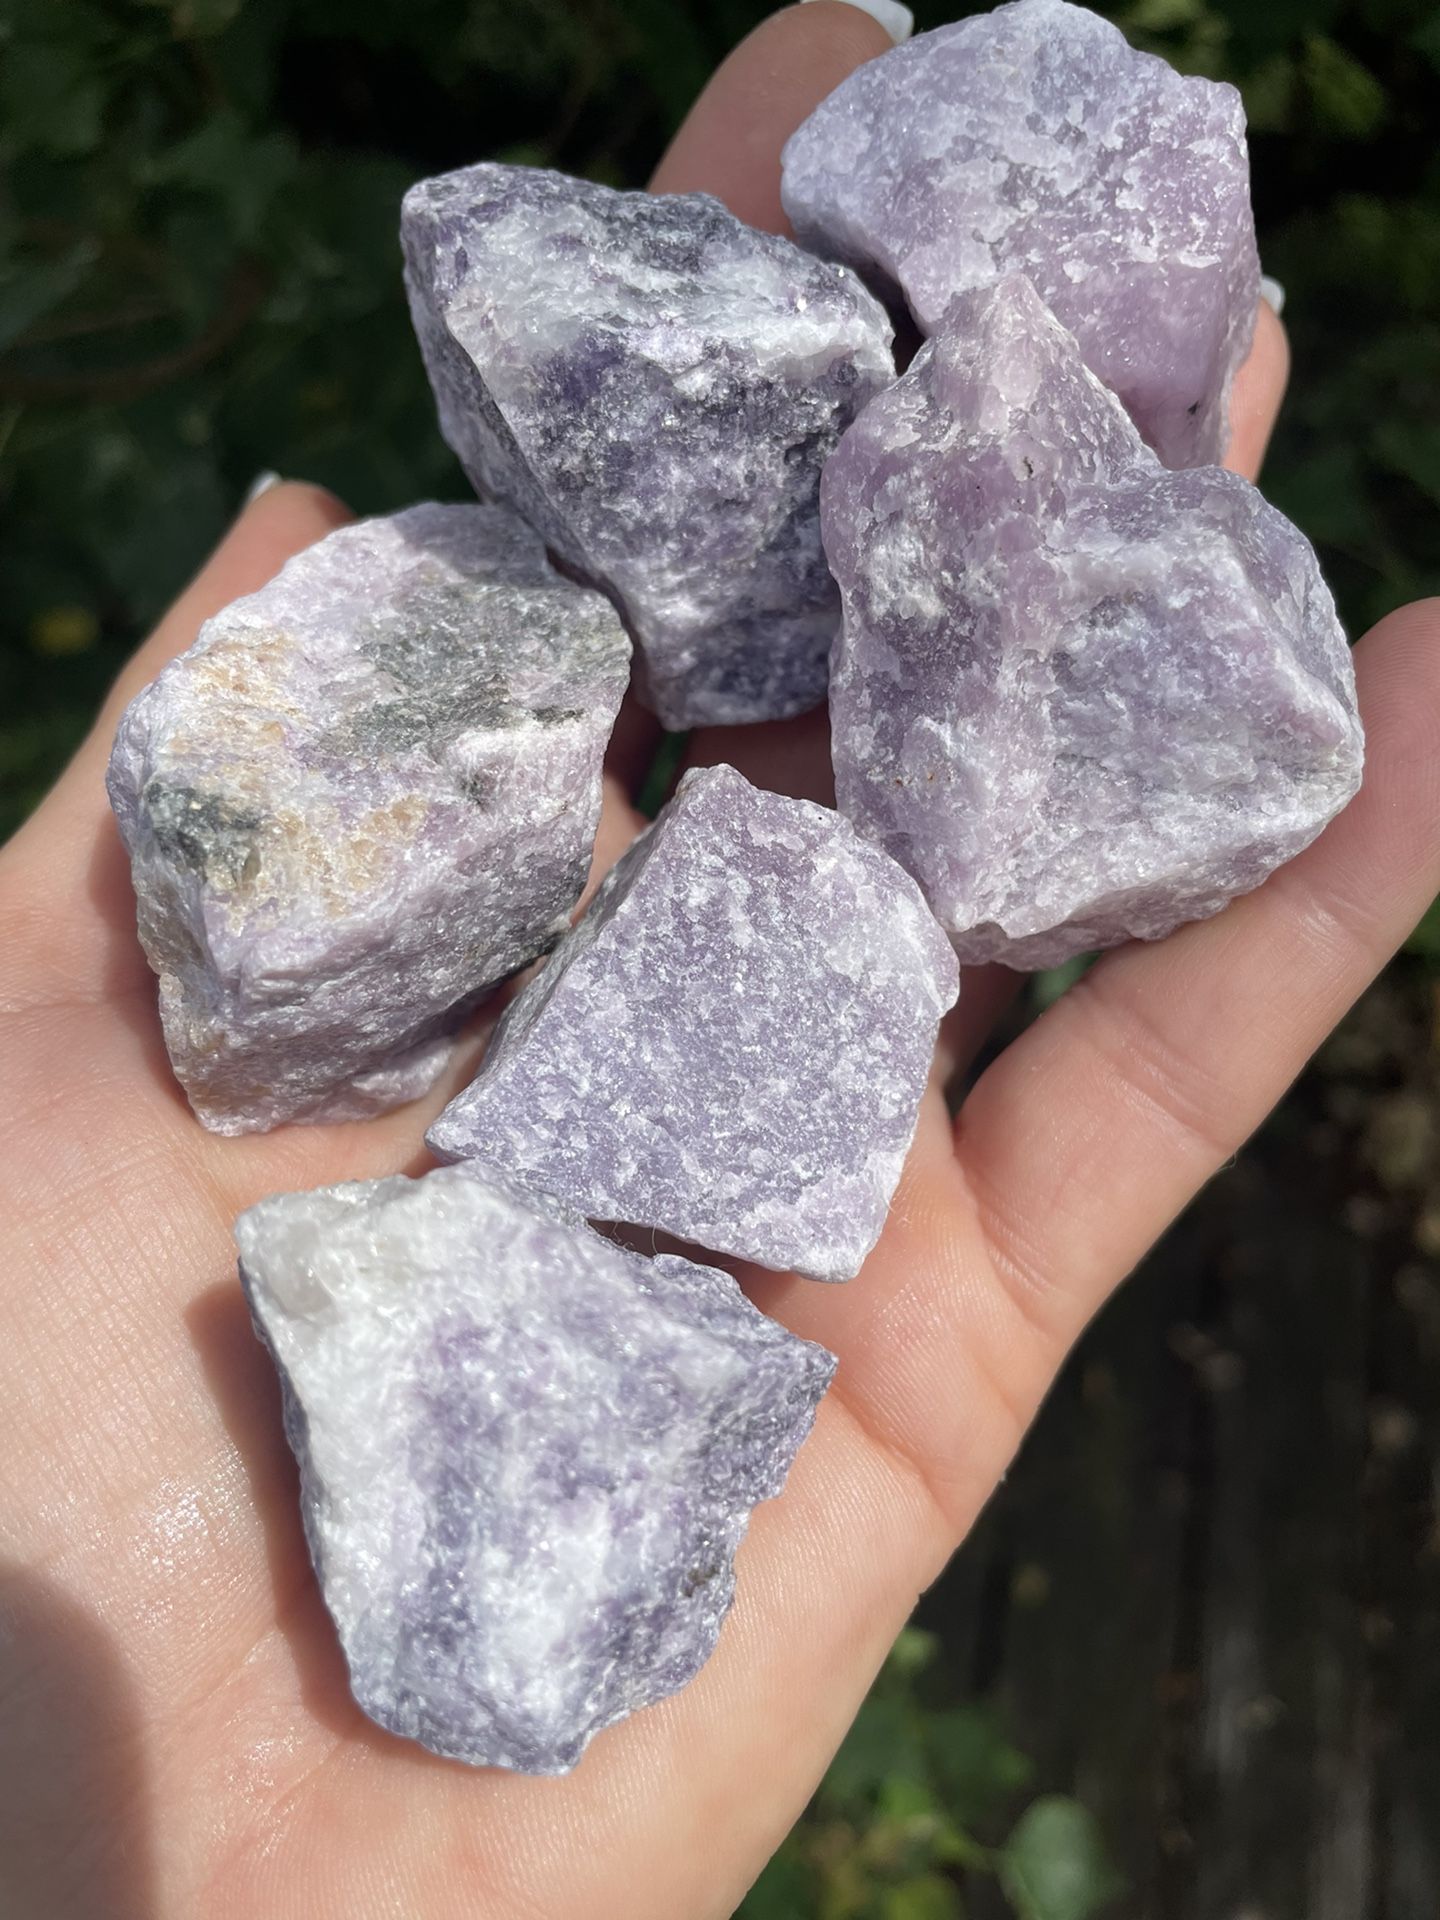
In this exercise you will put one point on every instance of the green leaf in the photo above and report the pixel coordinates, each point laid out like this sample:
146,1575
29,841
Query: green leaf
669,49
1047,987
1326,496
1347,97
784,1891
30,290
663,771
1279,21
1425,940
883,1744
242,170
906,1801
975,1766
1411,448
1276,21
1054,1865
197,19
1160,16
51,98
927,1897
913,1651
1269,94
1426,39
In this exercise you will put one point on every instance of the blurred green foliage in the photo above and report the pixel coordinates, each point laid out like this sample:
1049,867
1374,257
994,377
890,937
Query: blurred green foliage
199,276
921,1799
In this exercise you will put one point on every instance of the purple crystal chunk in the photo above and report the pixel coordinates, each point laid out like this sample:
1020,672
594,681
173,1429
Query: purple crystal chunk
1082,698
655,387
367,793
732,1044
1034,139
527,1456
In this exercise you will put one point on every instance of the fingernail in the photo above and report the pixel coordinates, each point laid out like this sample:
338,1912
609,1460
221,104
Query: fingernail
262,483
1272,293
898,21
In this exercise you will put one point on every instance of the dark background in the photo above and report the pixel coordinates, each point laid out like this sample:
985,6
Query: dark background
1193,1649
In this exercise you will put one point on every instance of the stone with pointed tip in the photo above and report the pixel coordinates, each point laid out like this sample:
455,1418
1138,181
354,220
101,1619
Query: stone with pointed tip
732,1044
656,387
1034,139
365,795
1080,697
527,1456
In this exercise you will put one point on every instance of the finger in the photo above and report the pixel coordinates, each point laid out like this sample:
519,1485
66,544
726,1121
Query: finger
731,140
785,756
1256,396
1090,1133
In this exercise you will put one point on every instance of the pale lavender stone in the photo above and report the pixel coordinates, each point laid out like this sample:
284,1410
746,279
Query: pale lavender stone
732,1044
365,795
527,1456
1034,139
655,386
1082,698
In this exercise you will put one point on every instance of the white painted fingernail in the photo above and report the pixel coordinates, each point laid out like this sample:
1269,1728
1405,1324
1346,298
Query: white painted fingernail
898,21
262,483
1272,293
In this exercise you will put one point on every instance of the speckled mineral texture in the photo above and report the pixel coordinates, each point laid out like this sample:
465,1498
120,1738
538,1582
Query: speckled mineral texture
1080,697
527,1457
655,387
1034,139
367,793
732,1044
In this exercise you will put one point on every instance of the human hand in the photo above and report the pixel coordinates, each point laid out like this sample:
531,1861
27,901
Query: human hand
176,1735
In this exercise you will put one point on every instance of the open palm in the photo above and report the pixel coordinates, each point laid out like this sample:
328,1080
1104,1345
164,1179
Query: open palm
176,1735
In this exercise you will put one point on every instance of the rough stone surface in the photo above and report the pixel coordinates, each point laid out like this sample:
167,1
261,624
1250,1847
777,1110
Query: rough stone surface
527,1457
655,387
367,793
1080,697
732,1044
1034,139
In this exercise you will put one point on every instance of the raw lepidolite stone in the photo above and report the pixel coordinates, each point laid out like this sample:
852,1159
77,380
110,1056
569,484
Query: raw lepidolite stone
367,793
527,1457
732,1044
1080,697
1034,139
655,386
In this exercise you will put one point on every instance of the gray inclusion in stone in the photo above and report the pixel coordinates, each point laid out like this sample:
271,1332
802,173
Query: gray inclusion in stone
1035,140
1082,698
655,386
366,794
527,1456
732,1044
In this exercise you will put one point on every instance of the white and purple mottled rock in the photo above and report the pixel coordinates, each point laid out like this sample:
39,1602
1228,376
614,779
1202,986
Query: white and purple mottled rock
1080,697
527,1456
1034,139
655,386
732,1044
365,795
